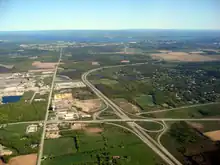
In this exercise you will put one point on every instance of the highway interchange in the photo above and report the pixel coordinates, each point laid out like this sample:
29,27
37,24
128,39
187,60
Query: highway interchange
133,127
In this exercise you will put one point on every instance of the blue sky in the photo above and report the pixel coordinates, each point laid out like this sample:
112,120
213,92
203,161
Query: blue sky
109,14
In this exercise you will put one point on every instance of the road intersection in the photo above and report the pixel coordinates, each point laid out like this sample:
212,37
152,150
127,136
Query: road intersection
132,126
40,153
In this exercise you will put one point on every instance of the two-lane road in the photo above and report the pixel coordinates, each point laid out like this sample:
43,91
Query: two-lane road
40,152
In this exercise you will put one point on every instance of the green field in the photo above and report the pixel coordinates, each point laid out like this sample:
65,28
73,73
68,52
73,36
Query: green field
105,81
14,138
144,100
192,112
150,125
21,111
98,148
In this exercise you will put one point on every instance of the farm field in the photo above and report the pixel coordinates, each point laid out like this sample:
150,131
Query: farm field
93,147
182,56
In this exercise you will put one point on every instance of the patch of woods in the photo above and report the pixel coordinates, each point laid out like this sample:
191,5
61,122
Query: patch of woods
191,146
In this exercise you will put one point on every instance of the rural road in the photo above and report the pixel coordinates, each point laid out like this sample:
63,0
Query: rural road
178,108
40,153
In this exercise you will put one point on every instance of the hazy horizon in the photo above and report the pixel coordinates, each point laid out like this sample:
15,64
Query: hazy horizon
37,15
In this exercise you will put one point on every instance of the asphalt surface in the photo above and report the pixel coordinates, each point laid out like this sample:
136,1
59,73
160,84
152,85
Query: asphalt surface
40,153
178,108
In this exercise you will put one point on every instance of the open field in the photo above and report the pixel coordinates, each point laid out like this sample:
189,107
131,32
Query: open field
126,106
105,81
21,111
145,101
113,144
182,56
88,106
44,65
30,159
152,126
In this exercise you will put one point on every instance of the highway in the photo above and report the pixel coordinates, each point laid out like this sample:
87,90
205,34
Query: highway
164,154
178,108
40,152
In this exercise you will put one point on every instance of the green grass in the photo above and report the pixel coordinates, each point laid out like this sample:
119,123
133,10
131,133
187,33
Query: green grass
59,146
27,95
144,100
150,125
118,143
105,81
14,138
192,112
21,111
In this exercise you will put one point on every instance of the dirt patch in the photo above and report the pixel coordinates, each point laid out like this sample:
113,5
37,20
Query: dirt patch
214,135
93,130
52,134
79,126
182,56
88,106
125,105
44,65
197,126
30,159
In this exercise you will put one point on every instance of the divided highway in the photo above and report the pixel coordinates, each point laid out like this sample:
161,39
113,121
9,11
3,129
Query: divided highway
163,153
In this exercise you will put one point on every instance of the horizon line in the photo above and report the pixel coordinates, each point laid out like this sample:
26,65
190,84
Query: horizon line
123,29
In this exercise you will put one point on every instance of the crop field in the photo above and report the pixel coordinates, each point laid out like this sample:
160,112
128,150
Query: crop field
112,144
182,56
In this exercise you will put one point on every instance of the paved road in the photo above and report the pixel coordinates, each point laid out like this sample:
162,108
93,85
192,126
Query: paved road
112,120
164,154
40,152
129,120
178,108
32,98
23,122
96,114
